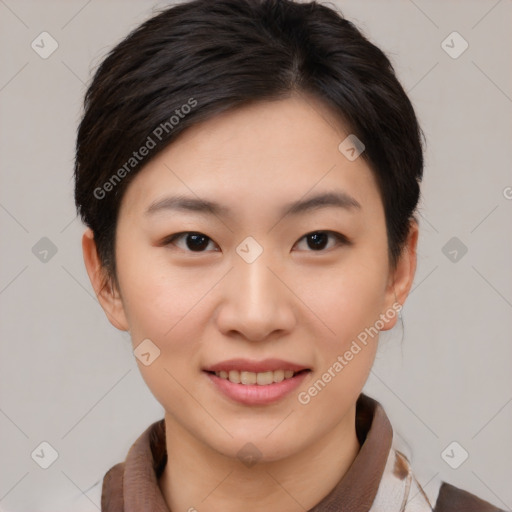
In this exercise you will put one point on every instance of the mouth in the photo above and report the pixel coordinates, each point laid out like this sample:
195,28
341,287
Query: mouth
251,383
249,378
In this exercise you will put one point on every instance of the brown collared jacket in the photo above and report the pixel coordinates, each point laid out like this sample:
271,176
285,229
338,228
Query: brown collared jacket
380,478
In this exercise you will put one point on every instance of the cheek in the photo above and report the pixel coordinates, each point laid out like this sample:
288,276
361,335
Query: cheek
346,298
166,308
156,297
349,303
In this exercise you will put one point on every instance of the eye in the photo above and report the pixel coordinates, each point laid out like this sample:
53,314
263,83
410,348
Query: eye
317,240
198,242
194,241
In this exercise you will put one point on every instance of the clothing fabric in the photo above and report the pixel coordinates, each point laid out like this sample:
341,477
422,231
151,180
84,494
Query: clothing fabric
380,478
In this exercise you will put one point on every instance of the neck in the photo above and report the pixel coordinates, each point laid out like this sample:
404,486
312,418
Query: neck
198,477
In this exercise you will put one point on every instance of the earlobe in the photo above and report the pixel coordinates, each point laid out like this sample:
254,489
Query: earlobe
401,279
108,297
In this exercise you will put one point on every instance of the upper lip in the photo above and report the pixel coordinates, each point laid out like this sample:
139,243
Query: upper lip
249,365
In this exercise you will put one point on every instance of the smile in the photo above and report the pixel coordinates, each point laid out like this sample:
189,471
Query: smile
250,388
261,378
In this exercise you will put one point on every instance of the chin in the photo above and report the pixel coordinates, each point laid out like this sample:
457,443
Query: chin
253,448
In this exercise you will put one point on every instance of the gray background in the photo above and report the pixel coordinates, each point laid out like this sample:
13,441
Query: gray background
70,379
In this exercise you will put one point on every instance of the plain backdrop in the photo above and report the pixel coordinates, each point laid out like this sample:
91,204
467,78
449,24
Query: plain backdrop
68,378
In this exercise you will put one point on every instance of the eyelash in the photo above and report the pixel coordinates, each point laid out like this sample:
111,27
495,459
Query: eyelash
341,239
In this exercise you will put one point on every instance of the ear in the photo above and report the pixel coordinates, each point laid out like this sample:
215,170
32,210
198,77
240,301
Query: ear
107,294
401,279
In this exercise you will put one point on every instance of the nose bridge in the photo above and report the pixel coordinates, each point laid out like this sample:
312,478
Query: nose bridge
256,302
258,286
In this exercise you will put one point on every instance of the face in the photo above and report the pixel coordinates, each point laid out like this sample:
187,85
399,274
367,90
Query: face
252,278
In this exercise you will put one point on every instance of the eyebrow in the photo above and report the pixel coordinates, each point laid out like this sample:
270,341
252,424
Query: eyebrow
204,206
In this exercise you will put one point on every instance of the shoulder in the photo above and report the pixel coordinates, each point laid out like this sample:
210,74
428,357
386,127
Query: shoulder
453,499
112,487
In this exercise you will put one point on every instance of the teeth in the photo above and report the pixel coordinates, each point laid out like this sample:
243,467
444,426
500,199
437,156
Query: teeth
234,376
251,378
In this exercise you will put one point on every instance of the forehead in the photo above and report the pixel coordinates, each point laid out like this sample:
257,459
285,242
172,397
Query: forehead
257,157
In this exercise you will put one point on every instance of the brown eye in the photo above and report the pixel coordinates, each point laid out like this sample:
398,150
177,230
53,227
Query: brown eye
194,242
318,240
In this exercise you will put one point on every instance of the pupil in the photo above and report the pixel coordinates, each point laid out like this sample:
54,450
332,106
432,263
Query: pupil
319,240
199,242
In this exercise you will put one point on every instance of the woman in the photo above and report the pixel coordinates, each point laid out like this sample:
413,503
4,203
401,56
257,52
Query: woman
249,173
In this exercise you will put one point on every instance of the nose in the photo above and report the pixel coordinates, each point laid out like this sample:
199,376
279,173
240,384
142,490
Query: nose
257,304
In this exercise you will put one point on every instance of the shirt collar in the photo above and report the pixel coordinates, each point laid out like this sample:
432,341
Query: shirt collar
132,486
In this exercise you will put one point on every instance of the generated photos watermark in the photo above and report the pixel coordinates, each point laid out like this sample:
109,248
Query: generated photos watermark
304,397
150,143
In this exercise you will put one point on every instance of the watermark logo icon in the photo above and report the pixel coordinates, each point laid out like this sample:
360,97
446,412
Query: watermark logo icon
351,147
454,455
249,454
454,249
44,455
146,352
249,250
44,250
44,45
454,45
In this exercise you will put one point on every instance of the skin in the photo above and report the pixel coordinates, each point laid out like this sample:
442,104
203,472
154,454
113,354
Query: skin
293,302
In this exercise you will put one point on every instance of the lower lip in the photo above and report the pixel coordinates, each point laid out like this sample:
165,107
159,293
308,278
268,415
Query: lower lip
255,394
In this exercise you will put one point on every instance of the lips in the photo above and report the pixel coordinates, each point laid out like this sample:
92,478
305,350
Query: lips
256,388
247,365
251,382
